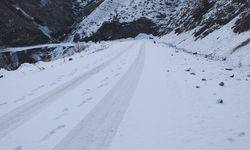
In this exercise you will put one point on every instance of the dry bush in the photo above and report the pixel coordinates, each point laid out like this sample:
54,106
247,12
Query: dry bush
47,59
40,68
79,47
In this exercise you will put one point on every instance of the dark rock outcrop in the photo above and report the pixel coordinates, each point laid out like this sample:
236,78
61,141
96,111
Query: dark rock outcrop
16,30
31,22
210,15
243,24
115,30
12,60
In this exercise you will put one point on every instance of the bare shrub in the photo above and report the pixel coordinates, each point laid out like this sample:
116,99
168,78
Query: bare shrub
79,47
39,67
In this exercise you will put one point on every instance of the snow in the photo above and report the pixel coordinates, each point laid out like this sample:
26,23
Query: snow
133,94
46,31
219,44
169,112
24,13
122,11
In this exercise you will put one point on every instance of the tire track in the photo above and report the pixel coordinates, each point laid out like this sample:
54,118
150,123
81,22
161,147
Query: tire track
95,131
17,117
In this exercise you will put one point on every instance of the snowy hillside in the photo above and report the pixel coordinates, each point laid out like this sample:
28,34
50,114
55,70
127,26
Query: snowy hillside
205,16
76,20
222,25
222,44
129,95
124,11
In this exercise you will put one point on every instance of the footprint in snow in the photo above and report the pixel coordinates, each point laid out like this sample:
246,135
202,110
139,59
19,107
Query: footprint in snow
84,101
4,103
103,85
64,112
230,139
73,72
18,148
36,89
117,75
31,94
57,81
20,99
52,132
86,91
86,67
106,79
54,83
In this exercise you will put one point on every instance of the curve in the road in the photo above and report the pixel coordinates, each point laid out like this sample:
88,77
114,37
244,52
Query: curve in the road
17,117
95,131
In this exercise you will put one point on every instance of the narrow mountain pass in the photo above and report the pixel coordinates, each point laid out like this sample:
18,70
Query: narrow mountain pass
134,95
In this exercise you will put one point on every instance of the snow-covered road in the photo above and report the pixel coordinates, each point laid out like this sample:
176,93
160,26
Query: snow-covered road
133,95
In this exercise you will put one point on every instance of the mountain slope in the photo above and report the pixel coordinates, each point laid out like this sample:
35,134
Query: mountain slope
31,22
205,16
44,21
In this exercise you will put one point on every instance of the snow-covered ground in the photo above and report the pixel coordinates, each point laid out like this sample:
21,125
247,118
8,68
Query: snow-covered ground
132,95
218,45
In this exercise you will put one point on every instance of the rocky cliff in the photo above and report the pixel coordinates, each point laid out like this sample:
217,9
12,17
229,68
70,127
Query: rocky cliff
31,22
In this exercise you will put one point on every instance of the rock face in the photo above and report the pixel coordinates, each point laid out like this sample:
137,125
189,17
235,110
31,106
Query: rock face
31,22
205,16
210,15
115,30
12,60
16,29
243,24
